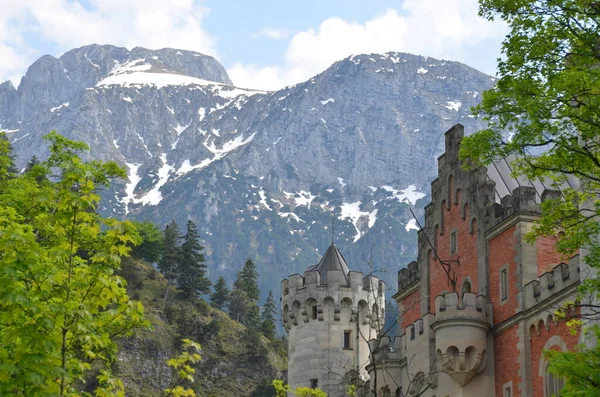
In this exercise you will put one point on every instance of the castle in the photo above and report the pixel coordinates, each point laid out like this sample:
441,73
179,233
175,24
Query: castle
477,307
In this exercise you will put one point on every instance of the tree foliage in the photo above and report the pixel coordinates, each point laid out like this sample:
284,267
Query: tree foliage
191,278
545,112
151,246
267,317
61,304
169,262
220,297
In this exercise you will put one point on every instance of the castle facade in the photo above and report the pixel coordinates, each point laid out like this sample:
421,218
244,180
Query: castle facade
477,308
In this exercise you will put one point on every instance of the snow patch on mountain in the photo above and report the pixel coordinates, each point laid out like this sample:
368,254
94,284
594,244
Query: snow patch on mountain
411,225
408,195
352,211
225,149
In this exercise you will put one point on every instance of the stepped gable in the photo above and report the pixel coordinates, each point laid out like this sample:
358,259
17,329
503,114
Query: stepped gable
332,260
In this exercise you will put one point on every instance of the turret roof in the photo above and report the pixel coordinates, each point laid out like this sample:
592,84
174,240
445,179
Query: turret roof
332,260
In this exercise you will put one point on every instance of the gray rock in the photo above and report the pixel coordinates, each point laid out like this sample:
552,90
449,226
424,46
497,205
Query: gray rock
260,172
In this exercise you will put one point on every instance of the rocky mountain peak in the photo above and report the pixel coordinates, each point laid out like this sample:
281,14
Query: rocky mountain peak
260,172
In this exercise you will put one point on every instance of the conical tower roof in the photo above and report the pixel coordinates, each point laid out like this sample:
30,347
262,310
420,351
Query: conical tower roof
332,260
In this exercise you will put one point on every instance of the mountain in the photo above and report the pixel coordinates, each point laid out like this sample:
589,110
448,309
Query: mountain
261,173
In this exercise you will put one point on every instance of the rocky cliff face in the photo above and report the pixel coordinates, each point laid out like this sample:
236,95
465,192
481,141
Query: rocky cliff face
260,172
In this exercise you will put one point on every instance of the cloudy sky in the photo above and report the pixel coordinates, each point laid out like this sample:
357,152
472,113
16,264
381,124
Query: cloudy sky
263,44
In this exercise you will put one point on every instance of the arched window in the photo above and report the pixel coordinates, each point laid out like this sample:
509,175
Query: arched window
552,384
399,392
466,287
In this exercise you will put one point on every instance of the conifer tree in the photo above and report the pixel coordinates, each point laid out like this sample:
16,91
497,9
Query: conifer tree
238,303
220,297
169,263
191,275
7,158
268,317
246,281
32,163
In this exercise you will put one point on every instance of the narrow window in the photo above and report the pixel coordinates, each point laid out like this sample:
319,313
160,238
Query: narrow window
314,383
466,287
412,333
453,243
507,391
347,339
314,312
503,284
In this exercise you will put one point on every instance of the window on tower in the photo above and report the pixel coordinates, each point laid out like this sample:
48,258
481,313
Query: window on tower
503,284
314,313
453,243
347,342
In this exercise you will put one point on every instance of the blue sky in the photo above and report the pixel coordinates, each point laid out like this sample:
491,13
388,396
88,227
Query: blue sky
263,44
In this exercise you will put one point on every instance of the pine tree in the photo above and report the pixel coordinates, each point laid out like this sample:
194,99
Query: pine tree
32,163
268,317
220,297
191,276
238,304
246,281
7,158
169,263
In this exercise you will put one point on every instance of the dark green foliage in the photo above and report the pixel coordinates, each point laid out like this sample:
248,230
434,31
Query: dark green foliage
255,349
7,158
191,275
32,163
247,281
264,389
267,317
220,298
243,303
238,304
189,325
169,262
151,246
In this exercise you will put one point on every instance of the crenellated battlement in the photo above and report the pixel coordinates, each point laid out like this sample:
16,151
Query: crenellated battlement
417,333
407,276
386,349
469,306
305,298
550,283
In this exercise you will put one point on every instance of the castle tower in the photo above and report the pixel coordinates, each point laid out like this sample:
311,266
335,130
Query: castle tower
330,313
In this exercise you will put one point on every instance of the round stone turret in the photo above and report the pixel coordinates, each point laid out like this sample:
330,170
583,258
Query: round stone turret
461,326
330,312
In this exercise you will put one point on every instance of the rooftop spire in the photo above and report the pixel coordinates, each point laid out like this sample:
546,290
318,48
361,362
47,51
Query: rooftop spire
332,260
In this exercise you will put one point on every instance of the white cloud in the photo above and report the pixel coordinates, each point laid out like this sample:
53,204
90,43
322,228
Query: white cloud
442,29
128,23
275,34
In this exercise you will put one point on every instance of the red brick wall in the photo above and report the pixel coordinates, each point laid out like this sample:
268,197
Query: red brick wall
506,361
466,251
502,252
410,308
537,346
547,257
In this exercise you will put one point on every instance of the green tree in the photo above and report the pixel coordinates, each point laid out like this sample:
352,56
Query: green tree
32,163
545,110
220,297
169,262
268,317
247,281
255,349
191,275
61,304
150,249
238,304
7,158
